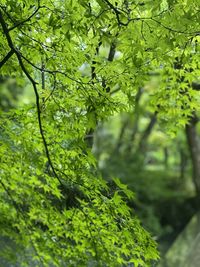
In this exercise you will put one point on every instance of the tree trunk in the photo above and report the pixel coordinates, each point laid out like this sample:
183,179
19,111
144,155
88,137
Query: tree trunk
136,114
183,163
194,148
120,140
143,140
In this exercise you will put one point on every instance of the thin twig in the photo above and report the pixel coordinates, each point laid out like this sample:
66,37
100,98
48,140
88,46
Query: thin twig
51,71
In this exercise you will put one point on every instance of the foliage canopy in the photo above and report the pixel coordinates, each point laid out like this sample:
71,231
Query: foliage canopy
85,61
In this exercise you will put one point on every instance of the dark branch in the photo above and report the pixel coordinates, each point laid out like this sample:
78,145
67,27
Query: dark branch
34,84
117,13
6,32
110,58
196,86
52,72
112,52
93,72
171,29
6,58
25,20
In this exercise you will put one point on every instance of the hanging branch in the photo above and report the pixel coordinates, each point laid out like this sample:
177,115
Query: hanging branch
34,84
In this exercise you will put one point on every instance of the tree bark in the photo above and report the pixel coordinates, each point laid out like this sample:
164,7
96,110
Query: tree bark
183,163
194,148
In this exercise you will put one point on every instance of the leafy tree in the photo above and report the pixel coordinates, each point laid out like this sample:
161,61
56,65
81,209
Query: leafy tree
54,204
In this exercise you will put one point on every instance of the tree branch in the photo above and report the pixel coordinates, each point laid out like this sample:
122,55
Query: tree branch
25,20
171,29
34,84
196,86
6,58
110,59
52,72
117,13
